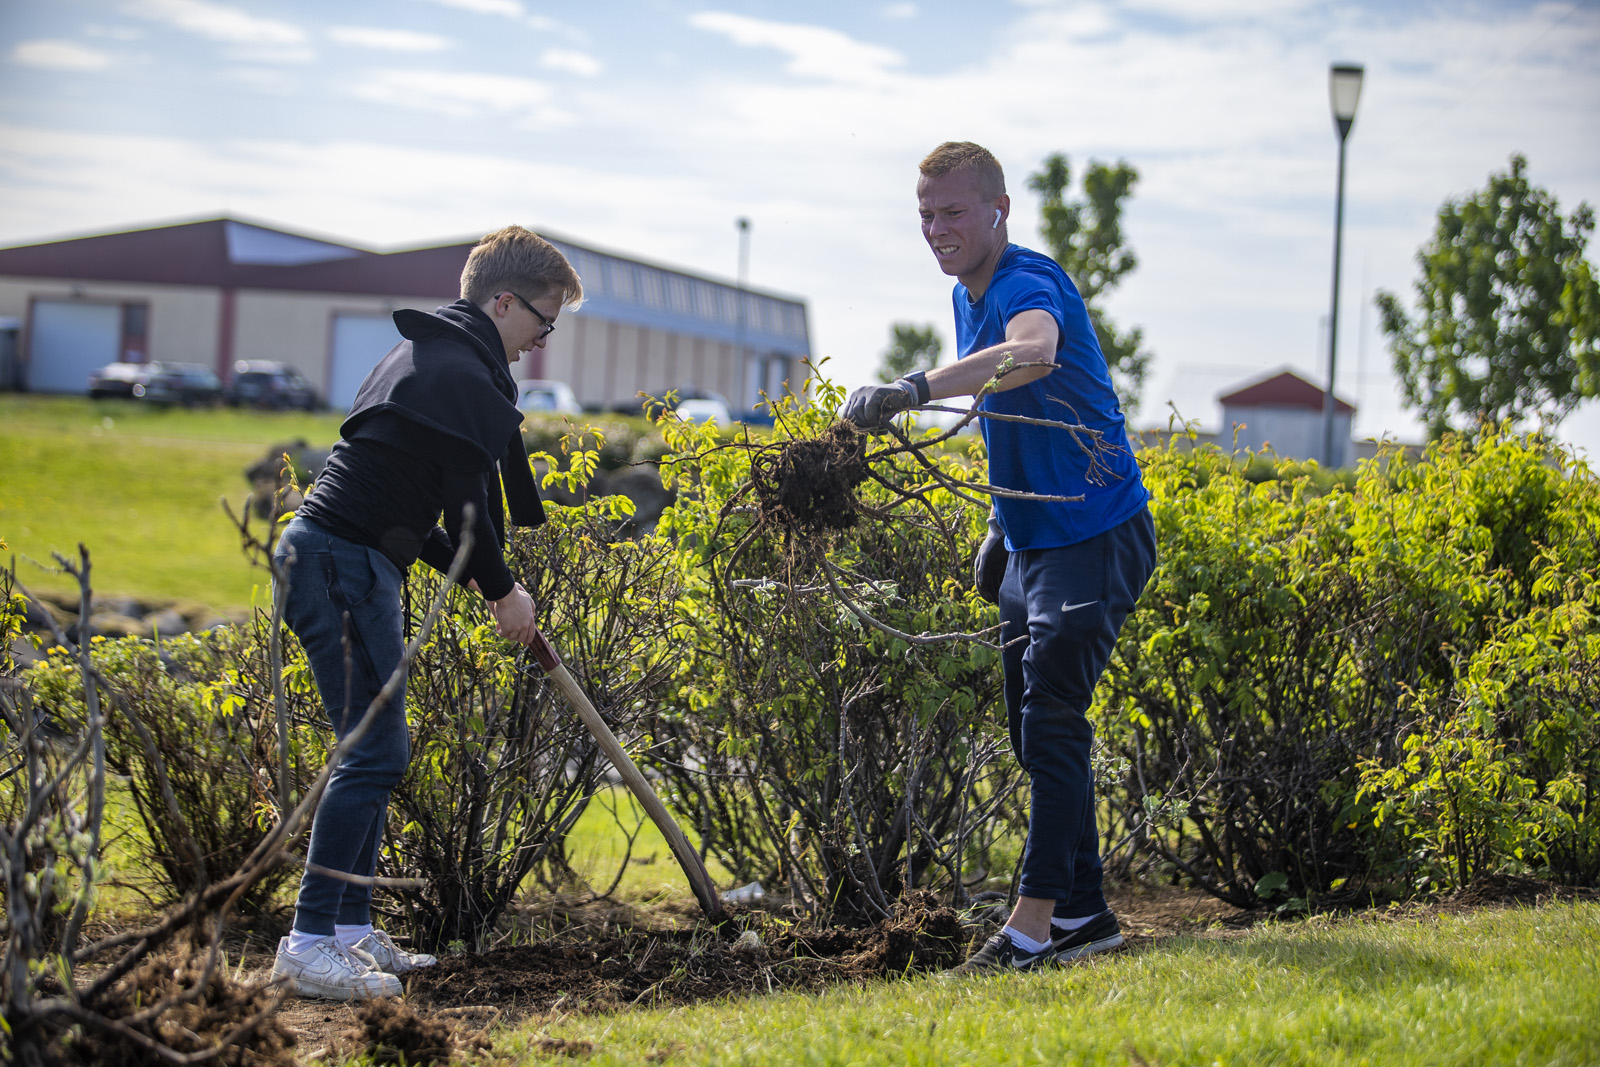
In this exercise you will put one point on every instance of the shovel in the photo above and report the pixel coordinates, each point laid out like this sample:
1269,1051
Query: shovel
544,653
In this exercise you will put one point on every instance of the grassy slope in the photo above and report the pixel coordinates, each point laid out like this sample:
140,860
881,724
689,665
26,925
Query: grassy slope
597,848
1493,987
140,487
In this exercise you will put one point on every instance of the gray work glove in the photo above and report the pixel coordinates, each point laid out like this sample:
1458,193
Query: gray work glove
989,565
872,406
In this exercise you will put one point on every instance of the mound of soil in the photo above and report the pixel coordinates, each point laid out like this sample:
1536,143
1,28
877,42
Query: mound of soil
809,484
638,966
194,1026
1491,889
391,1032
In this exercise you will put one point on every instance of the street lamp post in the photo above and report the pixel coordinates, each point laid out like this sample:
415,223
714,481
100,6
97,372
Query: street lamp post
1344,90
743,225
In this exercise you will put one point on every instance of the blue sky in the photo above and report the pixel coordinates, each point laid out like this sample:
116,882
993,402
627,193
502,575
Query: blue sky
649,127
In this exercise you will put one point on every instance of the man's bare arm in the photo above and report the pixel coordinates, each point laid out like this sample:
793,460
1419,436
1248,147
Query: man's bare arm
1031,337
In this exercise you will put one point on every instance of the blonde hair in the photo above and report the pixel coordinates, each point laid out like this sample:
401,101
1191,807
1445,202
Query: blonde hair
519,260
964,155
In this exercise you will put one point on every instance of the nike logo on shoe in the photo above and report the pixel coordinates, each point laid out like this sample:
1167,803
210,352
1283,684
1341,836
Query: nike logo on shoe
1074,607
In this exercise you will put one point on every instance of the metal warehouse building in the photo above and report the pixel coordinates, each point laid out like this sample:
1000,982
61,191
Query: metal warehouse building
222,290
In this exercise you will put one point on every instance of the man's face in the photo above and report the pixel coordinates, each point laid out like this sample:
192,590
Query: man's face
525,331
957,222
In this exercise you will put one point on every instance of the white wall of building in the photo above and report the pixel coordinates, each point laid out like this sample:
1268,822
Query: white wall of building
1292,432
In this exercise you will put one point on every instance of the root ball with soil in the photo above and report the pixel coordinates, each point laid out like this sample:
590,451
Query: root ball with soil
808,485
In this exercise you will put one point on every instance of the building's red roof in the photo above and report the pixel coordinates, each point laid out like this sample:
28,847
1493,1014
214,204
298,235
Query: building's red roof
238,255
1285,389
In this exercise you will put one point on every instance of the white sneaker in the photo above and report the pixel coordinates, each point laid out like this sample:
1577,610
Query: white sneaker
326,970
380,948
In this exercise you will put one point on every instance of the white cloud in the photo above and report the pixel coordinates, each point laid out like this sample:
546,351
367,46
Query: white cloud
571,61
900,11
387,40
508,8
463,94
218,22
284,54
59,55
1203,11
273,82
813,51
114,33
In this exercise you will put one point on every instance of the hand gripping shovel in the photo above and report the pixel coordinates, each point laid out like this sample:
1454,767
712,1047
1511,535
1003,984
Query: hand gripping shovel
706,893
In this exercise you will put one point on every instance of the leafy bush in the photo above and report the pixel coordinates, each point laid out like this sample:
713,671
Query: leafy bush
810,747
500,770
1282,694
1327,684
202,703
1500,765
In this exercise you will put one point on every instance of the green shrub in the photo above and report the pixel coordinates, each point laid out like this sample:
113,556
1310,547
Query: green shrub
808,747
1290,697
205,707
500,768
1500,765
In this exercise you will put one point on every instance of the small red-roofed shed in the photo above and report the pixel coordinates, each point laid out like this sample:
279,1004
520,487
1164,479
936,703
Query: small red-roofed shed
1283,412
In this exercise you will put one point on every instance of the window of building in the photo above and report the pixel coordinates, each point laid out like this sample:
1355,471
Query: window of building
135,346
650,288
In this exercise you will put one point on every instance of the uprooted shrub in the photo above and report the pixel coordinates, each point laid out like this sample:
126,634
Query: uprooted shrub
1302,669
809,745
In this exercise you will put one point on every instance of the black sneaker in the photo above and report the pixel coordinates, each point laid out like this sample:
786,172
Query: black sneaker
999,955
1099,934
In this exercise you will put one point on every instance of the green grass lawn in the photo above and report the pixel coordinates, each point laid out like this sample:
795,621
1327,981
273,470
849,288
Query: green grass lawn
597,849
1491,987
140,487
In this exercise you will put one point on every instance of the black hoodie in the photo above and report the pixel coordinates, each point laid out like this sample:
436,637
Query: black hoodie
424,436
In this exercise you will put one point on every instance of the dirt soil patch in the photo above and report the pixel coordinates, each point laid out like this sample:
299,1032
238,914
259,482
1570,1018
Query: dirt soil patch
225,1008
1508,889
641,966
610,957
392,1032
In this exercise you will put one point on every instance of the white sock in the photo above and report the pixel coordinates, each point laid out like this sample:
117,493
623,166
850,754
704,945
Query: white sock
350,936
300,942
1072,924
1024,942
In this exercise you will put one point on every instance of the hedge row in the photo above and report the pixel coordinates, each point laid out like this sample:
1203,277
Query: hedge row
1327,691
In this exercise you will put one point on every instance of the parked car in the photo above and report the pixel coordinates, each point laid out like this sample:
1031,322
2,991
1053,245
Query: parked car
543,396
118,380
189,384
705,407
263,383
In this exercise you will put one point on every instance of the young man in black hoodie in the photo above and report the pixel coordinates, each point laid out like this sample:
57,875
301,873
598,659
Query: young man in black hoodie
425,436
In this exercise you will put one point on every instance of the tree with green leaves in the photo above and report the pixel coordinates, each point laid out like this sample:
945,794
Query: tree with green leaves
1508,318
1084,235
911,348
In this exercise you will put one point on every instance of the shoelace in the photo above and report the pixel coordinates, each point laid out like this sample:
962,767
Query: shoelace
349,960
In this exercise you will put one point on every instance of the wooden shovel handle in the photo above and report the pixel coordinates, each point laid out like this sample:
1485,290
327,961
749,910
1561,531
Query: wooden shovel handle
699,880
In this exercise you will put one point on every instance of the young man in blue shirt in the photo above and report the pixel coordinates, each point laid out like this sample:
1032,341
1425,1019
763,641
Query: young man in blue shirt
1065,575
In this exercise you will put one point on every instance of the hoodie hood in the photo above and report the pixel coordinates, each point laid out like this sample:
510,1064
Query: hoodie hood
450,375
466,323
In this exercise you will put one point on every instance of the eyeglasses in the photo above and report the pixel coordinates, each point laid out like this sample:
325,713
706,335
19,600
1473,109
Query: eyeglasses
548,325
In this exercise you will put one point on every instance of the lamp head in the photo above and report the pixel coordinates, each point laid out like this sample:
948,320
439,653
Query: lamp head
1344,91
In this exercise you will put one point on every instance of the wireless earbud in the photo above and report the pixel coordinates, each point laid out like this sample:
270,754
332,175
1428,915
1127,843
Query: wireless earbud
996,223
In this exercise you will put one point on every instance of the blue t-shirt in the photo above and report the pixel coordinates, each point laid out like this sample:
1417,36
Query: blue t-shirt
1045,460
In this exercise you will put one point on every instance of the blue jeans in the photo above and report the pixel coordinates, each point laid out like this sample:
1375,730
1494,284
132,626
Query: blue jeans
340,591
1069,603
